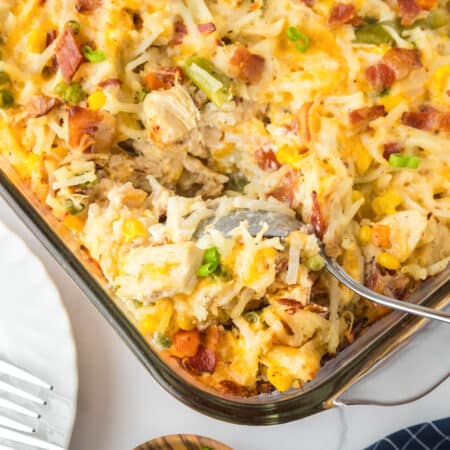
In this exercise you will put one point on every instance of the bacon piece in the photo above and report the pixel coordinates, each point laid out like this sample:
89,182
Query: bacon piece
180,31
204,360
250,67
86,123
285,192
390,148
164,78
68,54
41,105
429,120
402,61
267,160
408,11
110,82
390,283
317,220
292,306
380,76
396,64
50,68
301,122
50,37
87,6
341,13
206,28
363,116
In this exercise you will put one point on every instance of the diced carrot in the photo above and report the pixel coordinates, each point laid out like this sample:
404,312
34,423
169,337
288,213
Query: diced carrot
185,343
380,236
154,82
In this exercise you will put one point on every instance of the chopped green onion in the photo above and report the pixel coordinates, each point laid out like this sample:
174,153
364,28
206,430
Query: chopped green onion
162,341
4,78
402,160
213,83
300,39
140,96
413,162
210,263
70,92
251,317
6,98
293,34
437,18
94,56
315,263
207,448
373,34
74,26
72,208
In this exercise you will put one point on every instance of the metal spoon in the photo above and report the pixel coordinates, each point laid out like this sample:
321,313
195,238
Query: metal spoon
280,225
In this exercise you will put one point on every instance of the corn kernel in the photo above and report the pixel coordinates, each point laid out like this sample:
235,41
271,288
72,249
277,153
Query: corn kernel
289,155
37,40
387,203
149,323
388,261
357,195
363,159
74,223
97,100
365,234
132,229
281,380
391,101
185,323
440,80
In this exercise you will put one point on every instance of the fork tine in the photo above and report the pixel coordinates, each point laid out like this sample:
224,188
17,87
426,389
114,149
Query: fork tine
6,422
14,436
6,387
21,374
19,409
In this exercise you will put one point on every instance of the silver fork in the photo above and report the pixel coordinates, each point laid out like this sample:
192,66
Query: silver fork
19,431
280,225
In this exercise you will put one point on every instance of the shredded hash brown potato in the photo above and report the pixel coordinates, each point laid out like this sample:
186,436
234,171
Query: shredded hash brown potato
134,121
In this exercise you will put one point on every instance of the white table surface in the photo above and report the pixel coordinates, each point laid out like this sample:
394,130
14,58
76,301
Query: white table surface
121,406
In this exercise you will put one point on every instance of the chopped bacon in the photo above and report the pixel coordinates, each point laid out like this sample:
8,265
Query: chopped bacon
363,116
86,123
402,61
41,105
390,148
50,37
341,13
292,306
110,82
392,284
380,76
180,31
317,220
211,337
87,6
206,28
204,360
163,78
427,120
68,54
285,192
250,67
396,64
267,160
301,122
408,11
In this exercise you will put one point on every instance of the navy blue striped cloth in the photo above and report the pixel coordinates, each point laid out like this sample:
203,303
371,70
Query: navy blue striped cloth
425,436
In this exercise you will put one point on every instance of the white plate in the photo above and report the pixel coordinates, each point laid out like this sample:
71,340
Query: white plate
35,334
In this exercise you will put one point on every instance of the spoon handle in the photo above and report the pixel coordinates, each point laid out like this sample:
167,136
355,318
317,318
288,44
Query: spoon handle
337,271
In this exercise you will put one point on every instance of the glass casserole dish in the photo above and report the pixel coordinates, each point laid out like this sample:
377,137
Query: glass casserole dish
133,123
327,390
